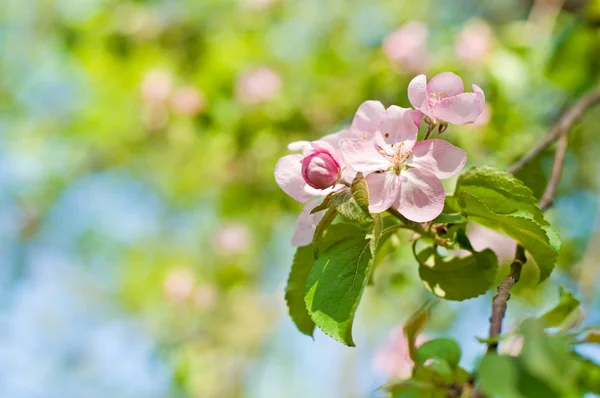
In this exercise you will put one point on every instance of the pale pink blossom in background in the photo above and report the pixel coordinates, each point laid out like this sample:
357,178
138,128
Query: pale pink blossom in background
156,86
443,99
475,42
392,361
204,297
179,285
187,101
231,239
485,116
406,47
401,172
258,4
512,345
484,238
258,85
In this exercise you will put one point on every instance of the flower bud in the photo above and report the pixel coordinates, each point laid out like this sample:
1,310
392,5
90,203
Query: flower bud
320,170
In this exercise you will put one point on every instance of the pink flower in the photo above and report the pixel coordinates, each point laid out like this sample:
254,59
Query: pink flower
474,42
393,359
314,173
320,169
401,172
232,239
484,238
258,85
443,99
187,101
179,285
156,86
406,47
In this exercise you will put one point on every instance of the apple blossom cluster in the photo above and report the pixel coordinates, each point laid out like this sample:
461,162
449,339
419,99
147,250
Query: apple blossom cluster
401,172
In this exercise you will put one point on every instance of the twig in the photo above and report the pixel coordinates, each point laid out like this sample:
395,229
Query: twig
563,126
499,303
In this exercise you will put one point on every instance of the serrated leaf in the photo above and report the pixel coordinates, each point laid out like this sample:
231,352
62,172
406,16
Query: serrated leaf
294,292
443,349
324,204
346,205
530,234
360,192
500,191
415,325
335,285
564,313
458,278
321,227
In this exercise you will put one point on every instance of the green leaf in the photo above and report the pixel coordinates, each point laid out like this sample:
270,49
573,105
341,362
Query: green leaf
294,292
540,242
335,285
500,191
360,192
498,376
566,314
450,219
346,205
415,325
321,227
324,204
458,278
443,349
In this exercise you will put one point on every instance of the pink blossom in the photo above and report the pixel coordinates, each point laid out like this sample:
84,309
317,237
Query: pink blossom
511,346
179,284
258,85
231,239
406,47
156,86
187,101
401,172
320,169
475,42
393,359
484,238
443,99
307,223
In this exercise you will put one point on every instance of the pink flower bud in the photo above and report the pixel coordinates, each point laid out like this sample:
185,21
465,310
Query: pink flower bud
320,170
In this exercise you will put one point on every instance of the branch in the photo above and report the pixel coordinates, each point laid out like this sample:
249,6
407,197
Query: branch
564,124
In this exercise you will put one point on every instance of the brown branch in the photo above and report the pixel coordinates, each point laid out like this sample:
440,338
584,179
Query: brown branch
564,124
500,301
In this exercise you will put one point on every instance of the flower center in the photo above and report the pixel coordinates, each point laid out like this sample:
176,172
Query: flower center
397,157
435,98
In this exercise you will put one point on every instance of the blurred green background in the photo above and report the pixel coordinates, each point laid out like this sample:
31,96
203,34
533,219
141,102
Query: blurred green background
144,245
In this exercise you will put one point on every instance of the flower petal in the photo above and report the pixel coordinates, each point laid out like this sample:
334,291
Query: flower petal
398,125
417,117
383,190
288,174
298,145
306,224
367,116
438,157
417,91
461,109
363,156
421,196
447,83
324,146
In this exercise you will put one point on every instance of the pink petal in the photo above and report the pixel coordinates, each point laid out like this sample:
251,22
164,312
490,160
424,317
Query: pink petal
306,224
461,109
335,138
324,146
417,91
383,190
367,116
398,125
438,157
421,195
288,174
298,145
447,83
363,156
417,117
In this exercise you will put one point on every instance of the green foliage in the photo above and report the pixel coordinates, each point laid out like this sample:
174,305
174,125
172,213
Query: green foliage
327,219
540,241
457,278
566,314
346,204
335,285
546,367
294,292
415,325
360,192
443,349
498,200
